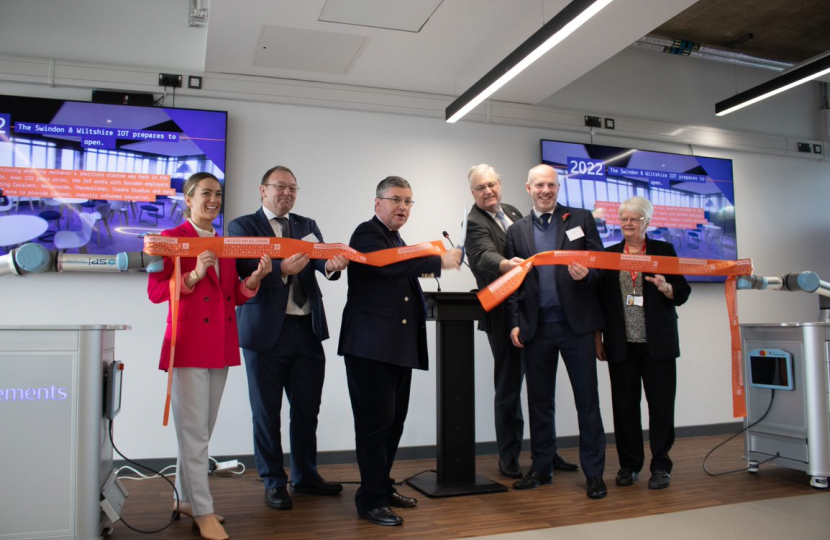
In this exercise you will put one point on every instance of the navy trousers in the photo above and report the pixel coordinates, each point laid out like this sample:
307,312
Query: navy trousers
296,365
579,356
380,400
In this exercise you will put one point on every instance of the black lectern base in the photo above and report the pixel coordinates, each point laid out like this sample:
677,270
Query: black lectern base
428,484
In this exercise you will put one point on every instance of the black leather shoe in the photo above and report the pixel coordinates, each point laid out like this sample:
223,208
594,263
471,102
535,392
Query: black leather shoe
510,468
278,498
559,464
626,477
396,500
317,487
596,488
659,480
532,480
382,516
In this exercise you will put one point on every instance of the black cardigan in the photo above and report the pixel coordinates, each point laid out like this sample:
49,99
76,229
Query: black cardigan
660,313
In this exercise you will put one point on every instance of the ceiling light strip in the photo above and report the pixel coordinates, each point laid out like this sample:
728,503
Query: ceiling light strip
782,83
554,31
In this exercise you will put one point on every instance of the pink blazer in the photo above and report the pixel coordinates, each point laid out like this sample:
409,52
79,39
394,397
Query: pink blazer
207,335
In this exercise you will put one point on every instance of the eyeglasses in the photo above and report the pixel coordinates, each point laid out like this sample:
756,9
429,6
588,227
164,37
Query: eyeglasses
489,185
397,201
627,220
283,187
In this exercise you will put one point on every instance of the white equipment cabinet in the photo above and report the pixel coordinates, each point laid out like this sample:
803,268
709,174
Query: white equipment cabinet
797,428
58,480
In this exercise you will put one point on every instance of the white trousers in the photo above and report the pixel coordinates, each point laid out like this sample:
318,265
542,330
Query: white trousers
196,396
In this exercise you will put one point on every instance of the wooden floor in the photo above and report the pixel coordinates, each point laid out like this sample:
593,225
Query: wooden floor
240,500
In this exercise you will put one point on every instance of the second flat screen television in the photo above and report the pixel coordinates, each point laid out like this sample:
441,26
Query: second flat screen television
693,196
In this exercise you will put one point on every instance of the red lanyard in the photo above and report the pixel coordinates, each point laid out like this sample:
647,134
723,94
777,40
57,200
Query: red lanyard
634,274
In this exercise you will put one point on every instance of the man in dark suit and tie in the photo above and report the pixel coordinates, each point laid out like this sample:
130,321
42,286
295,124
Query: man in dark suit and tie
487,225
556,310
383,338
280,332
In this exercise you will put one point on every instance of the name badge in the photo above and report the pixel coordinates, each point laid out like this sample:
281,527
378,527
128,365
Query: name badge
634,300
575,233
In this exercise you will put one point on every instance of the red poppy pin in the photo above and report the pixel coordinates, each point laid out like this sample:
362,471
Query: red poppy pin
566,216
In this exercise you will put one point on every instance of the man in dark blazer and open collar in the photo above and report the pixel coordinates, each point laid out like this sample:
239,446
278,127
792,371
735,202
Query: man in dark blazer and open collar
556,310
487,225
383,338
281,331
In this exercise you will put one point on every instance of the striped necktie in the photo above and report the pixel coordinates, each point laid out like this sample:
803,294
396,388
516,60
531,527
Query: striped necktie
503,220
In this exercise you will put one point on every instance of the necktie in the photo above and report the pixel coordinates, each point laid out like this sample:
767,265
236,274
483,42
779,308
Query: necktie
502,219
297,293
546,220
397,238
286,231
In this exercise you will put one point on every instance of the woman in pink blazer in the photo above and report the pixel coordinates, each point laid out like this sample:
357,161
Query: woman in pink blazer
207,344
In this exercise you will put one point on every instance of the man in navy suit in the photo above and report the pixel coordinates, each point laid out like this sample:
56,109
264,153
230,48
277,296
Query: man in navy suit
556,310
487,225
280,332
383,338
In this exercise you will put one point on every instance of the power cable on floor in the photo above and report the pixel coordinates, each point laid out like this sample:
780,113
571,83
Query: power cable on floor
777,455
158,473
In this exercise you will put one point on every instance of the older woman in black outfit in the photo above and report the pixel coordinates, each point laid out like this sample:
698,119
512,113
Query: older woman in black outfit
640,344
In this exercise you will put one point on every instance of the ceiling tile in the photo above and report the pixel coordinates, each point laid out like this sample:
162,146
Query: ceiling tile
407,15
307,50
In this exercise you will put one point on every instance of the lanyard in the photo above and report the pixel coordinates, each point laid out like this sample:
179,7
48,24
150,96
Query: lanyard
634,273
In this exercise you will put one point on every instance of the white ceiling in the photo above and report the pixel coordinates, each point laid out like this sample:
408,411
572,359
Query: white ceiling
458,42
409,16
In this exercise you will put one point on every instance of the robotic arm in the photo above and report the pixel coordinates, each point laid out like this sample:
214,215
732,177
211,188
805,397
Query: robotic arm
36,259
795,281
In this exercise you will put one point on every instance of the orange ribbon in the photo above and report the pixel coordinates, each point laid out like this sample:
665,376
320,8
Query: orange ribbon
281,248
254,248
175,294
738,395
498,291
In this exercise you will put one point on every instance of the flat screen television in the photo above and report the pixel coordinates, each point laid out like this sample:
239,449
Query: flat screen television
693,196
96,177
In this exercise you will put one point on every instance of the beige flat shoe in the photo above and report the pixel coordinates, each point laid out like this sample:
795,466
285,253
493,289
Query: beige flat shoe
209,527
186,509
